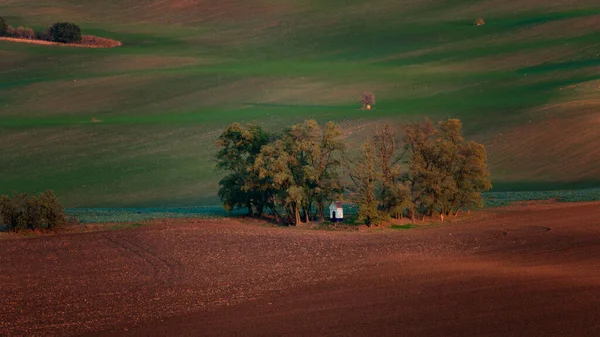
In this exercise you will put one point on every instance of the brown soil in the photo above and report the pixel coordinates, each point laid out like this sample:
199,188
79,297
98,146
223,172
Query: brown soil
87,41
526,270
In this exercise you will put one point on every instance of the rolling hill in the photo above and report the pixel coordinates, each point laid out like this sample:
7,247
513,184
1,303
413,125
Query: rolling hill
526,84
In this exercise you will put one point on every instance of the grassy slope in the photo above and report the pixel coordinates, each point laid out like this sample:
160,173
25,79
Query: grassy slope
525,84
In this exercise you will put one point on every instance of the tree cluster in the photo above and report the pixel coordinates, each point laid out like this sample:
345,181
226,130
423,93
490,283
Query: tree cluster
63,32
292,174
431,171
31,212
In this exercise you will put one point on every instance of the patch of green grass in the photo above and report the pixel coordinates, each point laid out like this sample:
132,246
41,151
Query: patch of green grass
402,227
496,199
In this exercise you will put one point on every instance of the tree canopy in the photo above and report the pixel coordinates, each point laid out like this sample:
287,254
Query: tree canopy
293,174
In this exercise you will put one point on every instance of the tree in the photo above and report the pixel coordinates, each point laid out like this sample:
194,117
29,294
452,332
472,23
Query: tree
393,196
445,173
5,211
366,181
19,218
3,27
65,32
238,147
367,99
302,166
273,165
51,211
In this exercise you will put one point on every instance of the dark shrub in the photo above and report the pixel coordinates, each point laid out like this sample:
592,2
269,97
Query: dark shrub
19,217
22,212
43,35
35,217
3,27
5,211
65,32
52,211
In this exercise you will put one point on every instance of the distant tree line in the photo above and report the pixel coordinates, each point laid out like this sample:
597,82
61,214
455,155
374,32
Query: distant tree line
294,174
31,212
63,32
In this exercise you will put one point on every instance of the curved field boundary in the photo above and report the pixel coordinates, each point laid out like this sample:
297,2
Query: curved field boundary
87,41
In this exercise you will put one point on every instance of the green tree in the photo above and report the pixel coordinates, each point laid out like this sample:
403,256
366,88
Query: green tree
445,173
393,195
65,32
241,187
19,218
315,163
367,182
3,27
50,209
274,166
302,166
5,211
471,176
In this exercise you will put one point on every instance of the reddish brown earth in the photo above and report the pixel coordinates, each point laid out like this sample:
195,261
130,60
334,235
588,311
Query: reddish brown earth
525,271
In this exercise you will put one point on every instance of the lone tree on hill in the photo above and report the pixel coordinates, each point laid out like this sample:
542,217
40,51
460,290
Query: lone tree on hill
367,99
65,32
3,27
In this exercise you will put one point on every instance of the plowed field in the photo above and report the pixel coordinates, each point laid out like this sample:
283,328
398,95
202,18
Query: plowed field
522,270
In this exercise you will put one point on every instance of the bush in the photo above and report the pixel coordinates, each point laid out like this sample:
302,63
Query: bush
43,35
3,27
65,32
22,212
22,33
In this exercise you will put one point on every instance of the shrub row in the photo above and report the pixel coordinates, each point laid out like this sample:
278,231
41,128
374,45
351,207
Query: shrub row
31,212
64,32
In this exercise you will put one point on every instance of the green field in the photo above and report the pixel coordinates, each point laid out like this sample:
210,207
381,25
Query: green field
526,84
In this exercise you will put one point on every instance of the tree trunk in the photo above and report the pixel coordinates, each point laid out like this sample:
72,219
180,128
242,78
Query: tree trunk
297,213
249,205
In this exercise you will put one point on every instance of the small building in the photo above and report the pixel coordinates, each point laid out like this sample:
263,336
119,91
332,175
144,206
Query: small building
336,211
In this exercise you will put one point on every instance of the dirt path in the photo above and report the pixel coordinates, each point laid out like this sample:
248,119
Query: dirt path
530,271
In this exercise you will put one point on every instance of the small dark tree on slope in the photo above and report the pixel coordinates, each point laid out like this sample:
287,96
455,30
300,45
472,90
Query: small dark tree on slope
3,27
65,32
367,99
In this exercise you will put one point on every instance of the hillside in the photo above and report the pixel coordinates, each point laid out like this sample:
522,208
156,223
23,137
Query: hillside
526,84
